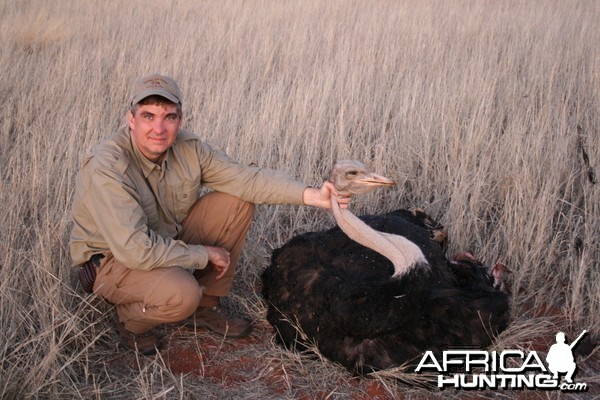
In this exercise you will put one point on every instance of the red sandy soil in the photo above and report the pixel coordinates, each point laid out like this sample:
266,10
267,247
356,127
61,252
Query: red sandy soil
234,364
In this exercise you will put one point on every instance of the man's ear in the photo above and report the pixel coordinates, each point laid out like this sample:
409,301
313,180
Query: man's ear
130,119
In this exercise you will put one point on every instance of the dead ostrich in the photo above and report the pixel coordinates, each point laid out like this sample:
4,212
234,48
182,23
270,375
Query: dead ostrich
378,291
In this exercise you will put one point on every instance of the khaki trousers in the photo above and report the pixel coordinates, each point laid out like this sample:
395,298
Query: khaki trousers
144,299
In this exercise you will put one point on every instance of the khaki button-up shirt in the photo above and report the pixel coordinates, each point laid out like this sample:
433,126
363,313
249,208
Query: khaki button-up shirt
130,207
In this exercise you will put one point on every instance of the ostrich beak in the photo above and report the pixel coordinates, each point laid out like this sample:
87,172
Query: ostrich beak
373,181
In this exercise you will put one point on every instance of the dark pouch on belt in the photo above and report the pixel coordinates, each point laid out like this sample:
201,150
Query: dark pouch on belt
87,274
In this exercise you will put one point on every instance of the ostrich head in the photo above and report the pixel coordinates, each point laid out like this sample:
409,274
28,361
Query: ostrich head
353,177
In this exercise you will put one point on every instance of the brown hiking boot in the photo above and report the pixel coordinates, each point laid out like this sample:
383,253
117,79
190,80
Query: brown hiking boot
215,319
144,343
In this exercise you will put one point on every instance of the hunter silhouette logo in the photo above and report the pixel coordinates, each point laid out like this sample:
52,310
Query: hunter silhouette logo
508,369
560,357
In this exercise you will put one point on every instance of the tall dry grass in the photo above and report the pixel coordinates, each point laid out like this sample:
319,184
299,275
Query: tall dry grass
486,113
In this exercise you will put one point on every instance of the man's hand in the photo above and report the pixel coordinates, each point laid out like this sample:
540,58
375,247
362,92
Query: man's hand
321,197
219,258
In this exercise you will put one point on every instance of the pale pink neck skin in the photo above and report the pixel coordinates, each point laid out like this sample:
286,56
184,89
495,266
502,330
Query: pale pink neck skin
403,253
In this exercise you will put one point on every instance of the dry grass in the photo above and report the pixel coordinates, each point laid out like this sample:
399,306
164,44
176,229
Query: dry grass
486,113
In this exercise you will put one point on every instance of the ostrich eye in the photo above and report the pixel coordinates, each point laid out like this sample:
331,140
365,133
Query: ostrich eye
351,174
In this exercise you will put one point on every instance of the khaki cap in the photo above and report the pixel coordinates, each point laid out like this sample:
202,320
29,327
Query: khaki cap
155,84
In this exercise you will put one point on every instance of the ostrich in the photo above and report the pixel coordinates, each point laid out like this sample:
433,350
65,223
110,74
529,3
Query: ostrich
378,291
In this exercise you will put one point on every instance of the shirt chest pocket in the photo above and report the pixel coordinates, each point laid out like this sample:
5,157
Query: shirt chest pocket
185,195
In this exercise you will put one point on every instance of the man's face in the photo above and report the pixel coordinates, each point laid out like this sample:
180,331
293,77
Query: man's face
154,129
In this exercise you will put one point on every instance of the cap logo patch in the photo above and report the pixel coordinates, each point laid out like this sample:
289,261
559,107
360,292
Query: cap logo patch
155,83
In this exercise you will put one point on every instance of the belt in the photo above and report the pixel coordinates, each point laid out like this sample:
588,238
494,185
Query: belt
88,271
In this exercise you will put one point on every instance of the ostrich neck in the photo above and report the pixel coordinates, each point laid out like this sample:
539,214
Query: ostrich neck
403,253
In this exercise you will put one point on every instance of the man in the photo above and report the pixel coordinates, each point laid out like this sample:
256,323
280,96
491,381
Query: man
140,225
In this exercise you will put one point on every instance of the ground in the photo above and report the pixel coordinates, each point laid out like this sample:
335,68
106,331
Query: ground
238,365
255,367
